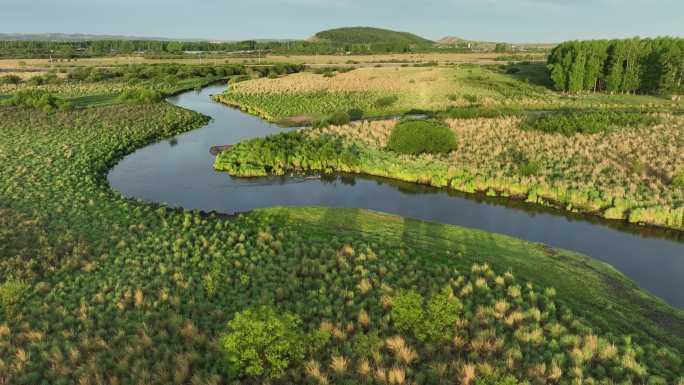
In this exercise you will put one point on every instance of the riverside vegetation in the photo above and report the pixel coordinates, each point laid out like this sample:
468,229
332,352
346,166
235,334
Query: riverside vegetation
631,173
610,155
96,288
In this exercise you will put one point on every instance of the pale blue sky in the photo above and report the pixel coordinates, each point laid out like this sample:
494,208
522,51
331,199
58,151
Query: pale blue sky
494,20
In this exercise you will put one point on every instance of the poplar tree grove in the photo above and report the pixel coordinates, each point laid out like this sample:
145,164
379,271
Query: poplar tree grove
645,66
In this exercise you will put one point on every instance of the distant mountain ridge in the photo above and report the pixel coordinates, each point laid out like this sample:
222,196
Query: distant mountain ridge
370,35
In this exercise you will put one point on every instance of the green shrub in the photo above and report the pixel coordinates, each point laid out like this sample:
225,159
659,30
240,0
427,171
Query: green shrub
421,136
338,118
355,114
407,311
35,99
572,122
11,79
11,293
261,343
140,96
678,180
386,101
529,168
431,323
288,152
441,314
475,112
472,99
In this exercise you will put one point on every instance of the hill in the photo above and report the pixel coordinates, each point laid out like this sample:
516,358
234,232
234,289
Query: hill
368,35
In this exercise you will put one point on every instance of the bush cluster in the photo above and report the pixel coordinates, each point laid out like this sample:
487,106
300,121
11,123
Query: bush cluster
587,122
288,152
261,343
140,96
33,98
421,136
386,101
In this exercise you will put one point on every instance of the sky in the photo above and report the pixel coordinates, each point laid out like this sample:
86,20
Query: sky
489,20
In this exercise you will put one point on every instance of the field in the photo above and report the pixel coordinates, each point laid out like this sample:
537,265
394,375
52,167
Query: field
431,89
481,58
97,288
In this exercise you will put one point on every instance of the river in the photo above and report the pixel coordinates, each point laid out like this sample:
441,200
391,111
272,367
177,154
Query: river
179,173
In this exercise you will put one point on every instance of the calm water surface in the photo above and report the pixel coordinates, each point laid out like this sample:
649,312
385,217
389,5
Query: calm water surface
179,172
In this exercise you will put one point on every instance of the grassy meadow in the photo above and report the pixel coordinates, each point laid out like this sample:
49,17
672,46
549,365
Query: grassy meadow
395,91
389,58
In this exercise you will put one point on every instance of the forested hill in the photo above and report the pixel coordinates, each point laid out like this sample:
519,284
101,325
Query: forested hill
368,35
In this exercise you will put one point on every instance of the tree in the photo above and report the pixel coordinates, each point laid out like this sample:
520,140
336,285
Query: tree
631,78
577,67
596,59
502,48
616,66
556,69
261,343
175,46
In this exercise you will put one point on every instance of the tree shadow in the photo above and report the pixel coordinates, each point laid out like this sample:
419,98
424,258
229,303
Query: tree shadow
534,73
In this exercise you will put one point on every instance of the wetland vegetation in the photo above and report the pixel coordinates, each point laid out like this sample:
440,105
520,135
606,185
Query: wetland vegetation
97,288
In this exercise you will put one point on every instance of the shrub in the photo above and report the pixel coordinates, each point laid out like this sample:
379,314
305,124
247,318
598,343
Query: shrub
440,316
355,114
140,96
11,79
472,99
475,112
261,343
572,122
421,136
338,118
11,293
529,168
432,323
407,311
386,101
35,99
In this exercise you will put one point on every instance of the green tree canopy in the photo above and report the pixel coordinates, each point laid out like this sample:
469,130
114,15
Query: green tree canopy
262,343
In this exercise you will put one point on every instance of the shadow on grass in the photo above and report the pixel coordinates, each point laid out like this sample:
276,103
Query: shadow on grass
594,290
534,73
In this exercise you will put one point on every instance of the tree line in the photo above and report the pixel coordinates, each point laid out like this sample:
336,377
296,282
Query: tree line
95,48
648,66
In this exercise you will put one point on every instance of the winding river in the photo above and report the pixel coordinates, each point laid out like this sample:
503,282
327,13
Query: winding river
179,173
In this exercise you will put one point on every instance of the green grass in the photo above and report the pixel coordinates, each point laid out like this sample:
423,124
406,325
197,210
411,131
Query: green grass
592,288
94,100
315,105
481,90
588,122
